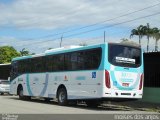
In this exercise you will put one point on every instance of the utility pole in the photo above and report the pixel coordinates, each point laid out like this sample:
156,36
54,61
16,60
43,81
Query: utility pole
104,36
61,41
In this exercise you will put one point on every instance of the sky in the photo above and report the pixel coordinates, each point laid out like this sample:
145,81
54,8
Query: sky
39,24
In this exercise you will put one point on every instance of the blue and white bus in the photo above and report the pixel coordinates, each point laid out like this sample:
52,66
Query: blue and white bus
88,73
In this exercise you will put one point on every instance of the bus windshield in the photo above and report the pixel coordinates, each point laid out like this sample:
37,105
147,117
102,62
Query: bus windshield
125,56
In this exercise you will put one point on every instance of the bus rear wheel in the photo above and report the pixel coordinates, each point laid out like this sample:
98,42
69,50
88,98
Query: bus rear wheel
62,97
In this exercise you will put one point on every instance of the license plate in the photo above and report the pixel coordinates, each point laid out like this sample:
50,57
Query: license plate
125,84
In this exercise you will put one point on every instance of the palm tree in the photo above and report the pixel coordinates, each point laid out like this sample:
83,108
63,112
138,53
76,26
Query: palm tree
128,42
156,36
24,52
139,32
147,32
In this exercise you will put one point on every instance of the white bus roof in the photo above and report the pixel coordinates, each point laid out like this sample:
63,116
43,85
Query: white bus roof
63,48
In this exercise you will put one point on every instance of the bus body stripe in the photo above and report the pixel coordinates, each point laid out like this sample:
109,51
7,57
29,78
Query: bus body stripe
28,85
45,86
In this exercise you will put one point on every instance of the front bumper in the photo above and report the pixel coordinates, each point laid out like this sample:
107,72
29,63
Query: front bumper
4,90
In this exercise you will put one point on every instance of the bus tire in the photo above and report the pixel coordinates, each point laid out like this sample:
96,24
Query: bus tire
20,93
62,97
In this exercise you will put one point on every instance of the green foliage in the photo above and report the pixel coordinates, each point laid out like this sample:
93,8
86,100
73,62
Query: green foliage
156,36
50,48
128,42
24,52
139,32
146,30
7,53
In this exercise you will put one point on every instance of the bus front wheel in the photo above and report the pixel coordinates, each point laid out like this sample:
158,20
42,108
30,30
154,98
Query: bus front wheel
20,93
62,97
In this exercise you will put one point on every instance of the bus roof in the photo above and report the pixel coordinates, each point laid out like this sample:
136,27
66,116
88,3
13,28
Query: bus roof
59,50
65,49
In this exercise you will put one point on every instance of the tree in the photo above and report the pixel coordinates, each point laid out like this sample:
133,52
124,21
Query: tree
156,36
139,32
24,52
32,53
50,48
147,32
128,42
7,53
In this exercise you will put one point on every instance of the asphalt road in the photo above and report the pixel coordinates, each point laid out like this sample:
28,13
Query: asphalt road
12,105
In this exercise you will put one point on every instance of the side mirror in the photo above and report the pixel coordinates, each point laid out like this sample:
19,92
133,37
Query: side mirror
8,78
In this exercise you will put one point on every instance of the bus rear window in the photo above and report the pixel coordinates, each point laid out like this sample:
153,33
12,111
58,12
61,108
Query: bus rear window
124,56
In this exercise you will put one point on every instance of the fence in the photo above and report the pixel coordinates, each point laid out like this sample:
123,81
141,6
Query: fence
151,77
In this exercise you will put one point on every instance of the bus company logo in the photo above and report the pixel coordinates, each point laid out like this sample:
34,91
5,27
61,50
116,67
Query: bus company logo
93,74
126,75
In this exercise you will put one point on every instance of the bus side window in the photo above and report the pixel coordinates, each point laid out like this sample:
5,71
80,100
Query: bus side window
80,61
74,61
92,59
67,61
49,63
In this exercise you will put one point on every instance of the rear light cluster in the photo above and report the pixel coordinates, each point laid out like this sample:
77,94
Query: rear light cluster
107,79
141,82
108,84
